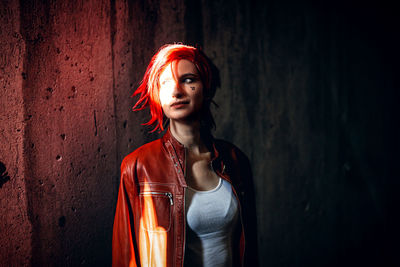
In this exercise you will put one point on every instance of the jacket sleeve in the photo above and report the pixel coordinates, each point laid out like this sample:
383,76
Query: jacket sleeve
124,241
249,212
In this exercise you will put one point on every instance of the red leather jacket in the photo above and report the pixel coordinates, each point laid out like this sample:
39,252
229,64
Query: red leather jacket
149,224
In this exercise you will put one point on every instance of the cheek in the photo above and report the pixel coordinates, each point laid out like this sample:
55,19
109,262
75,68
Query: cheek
198,93
165,111
165,96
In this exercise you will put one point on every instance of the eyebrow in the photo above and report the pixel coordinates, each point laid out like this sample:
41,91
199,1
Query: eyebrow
189,74
183,76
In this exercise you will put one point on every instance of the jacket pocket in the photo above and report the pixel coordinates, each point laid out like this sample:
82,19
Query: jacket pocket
156,210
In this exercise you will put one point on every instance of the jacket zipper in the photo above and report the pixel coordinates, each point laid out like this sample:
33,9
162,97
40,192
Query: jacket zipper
168,194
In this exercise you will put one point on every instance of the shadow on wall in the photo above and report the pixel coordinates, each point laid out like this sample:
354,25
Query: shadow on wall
4,177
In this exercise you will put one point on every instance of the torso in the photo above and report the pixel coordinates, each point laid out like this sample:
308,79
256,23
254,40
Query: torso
211,217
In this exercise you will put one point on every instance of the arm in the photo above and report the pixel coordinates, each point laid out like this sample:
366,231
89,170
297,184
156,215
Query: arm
123,241
249,211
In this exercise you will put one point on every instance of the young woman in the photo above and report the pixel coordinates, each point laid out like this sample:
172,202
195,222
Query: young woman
185,199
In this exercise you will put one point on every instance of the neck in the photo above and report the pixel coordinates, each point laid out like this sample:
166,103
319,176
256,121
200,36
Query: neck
189,135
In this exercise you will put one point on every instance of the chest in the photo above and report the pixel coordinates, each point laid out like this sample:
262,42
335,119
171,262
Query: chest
200,174
213,211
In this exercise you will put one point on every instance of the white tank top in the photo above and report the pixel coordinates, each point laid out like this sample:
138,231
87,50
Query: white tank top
211,217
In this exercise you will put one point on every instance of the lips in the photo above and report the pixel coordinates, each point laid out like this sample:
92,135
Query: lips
179,103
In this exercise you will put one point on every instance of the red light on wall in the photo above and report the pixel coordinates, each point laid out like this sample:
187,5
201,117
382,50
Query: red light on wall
152,237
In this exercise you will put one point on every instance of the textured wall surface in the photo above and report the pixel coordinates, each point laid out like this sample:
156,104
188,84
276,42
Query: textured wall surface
308,92
15,227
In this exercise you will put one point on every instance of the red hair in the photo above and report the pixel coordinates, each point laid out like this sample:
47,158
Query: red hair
150,86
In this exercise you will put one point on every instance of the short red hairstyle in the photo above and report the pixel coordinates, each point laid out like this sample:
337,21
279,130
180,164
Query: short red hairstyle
150,86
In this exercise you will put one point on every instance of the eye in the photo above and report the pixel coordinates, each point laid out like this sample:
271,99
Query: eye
188,80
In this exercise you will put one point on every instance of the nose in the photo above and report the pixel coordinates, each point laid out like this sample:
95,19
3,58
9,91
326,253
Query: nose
177,91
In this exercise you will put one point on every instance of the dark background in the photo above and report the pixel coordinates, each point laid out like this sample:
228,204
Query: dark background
309,92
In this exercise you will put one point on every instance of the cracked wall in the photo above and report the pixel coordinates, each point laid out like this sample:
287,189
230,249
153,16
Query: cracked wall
308,92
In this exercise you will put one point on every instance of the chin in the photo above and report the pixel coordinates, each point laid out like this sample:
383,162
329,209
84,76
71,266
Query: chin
184,117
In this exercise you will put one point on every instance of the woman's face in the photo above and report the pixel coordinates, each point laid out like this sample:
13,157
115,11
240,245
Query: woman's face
181,97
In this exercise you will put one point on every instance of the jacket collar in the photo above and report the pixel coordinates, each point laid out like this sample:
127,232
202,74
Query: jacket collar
179,150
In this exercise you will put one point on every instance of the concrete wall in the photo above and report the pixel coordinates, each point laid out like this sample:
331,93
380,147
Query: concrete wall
308,92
